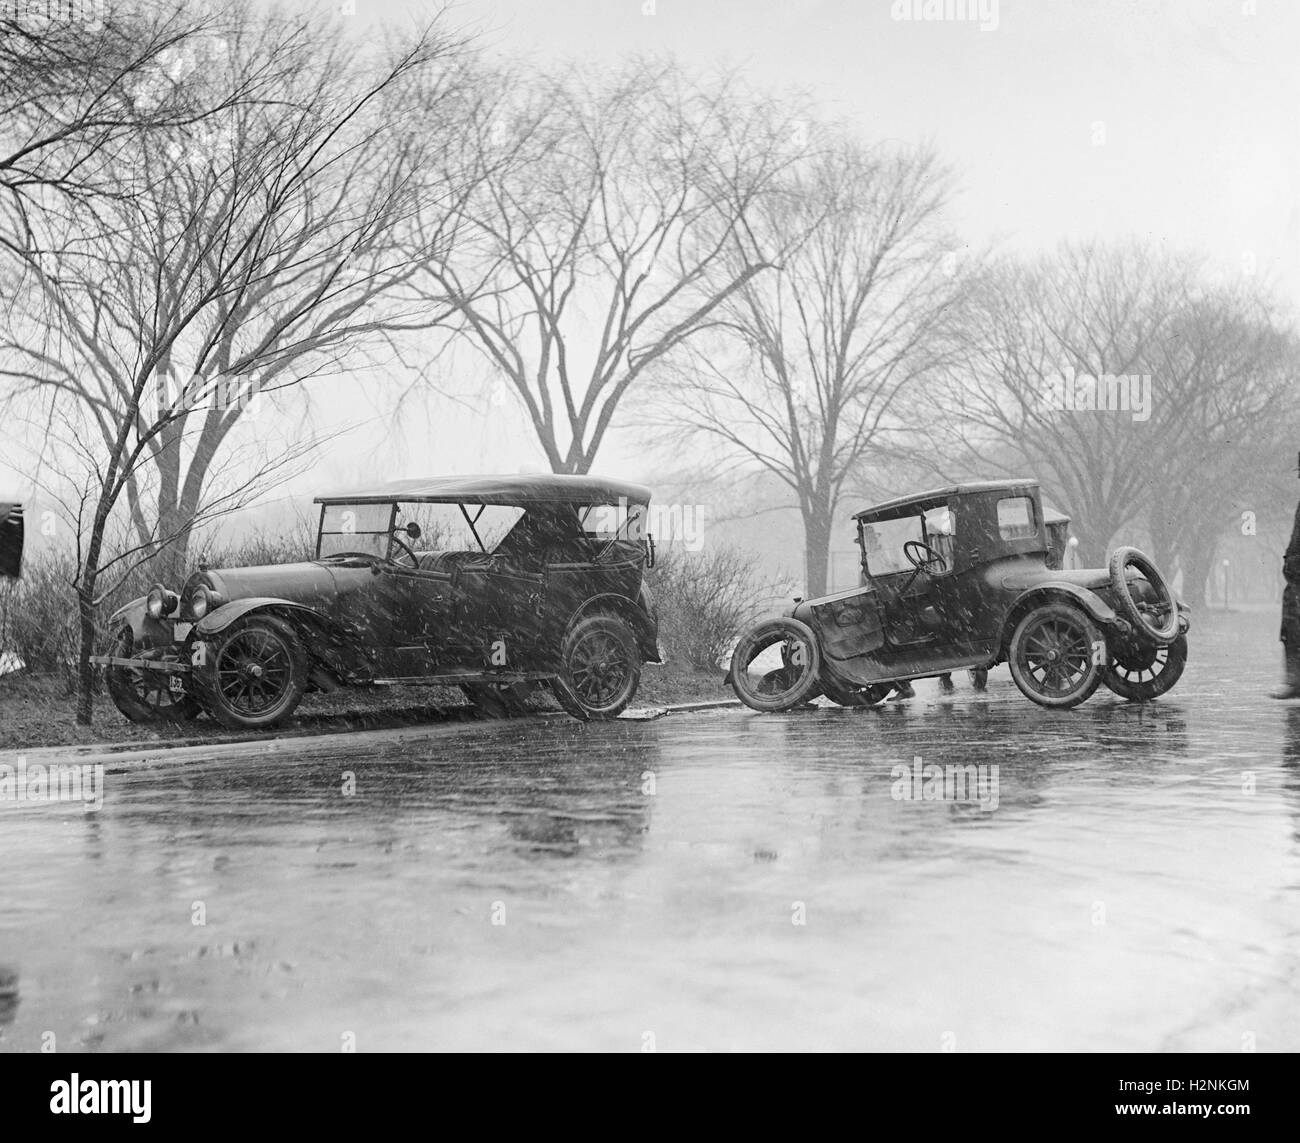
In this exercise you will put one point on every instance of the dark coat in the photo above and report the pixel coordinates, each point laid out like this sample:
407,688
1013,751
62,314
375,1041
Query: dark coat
1291,558
11,539
1291,596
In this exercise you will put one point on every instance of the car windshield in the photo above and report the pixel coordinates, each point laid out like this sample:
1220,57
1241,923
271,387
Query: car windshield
883,540
355,529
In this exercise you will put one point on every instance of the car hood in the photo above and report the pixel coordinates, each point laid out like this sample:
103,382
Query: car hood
309,583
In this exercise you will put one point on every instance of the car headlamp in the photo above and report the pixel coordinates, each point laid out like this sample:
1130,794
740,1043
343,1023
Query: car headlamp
160,601
200,602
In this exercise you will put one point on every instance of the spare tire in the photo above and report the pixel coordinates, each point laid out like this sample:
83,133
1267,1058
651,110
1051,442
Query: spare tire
1144,617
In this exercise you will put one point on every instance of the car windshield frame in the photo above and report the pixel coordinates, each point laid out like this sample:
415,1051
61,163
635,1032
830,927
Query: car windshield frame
920,513
321,531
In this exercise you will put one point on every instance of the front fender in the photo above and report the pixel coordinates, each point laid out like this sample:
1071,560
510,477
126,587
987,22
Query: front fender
146,633
217,621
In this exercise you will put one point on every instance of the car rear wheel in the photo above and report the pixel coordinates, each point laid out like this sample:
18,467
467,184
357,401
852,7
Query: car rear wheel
1053,656
1149,671
255,673
600,668
147,696
776,665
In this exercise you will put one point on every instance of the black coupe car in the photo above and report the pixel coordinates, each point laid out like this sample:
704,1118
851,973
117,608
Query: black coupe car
966,577
495,584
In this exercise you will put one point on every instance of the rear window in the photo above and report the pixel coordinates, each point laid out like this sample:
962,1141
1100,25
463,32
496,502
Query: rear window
1016,518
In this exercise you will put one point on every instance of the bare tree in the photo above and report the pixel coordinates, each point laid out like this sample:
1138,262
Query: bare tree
79,83
265,262
1032,332
1227,424
809,368
1112,376
611,219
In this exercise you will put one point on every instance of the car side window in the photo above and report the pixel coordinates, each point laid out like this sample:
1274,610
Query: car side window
941,535
1016,518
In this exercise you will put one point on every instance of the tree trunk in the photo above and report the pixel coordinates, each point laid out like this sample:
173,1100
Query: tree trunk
170,562
85,669
817,545
1198,565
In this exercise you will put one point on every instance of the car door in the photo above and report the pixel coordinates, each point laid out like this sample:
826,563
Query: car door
919,610
419,619
499,605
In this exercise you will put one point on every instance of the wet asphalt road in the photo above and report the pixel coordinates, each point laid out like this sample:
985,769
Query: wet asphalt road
722,880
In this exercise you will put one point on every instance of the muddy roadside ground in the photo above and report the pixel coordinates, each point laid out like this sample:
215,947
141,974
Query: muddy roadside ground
39,710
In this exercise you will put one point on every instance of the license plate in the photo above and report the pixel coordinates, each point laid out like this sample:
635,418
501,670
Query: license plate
176,684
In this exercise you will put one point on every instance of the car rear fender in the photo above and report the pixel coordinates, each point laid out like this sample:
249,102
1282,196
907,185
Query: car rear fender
1097,608
643,626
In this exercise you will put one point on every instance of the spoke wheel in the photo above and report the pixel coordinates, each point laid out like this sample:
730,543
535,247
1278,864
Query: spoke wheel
1148,672
255,675
601,668
146,696
1052,658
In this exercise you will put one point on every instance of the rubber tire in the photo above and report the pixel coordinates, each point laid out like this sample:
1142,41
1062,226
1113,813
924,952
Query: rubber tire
564,691
807,687
1091,635
205,677
1163,683
130,704
1121,558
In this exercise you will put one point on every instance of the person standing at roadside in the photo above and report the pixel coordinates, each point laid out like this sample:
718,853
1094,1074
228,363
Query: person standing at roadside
1290,636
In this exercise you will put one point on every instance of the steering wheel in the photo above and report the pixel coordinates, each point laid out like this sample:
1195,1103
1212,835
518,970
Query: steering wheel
924,558
415,560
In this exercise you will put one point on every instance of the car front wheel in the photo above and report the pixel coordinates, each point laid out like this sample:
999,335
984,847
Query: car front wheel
600,668
147,696
1054,658
776,665
254,673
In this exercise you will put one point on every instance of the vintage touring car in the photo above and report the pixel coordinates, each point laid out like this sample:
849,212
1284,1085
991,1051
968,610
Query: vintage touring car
961,578
495,584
